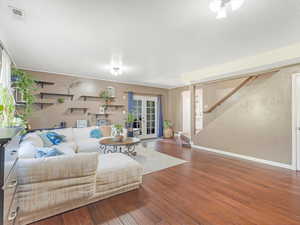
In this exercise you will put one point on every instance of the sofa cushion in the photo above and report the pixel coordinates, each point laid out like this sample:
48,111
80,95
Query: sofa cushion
88,145
68,148
116,170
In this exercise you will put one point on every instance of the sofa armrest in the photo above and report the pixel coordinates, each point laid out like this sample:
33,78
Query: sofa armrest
57,168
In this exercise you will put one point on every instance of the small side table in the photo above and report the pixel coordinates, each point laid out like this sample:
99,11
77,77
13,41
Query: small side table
108,145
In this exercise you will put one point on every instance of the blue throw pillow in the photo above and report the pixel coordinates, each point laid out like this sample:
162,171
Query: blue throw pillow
96,133
45,139
47,152
55,138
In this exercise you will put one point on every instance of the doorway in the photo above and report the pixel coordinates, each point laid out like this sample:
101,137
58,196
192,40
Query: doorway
145,112
186,112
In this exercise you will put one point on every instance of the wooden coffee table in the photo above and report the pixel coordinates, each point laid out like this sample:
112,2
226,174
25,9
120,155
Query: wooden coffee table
108,145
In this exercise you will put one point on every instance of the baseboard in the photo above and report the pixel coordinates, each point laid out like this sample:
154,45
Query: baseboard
272,163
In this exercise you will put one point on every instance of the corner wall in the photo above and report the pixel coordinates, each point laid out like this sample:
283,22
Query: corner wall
256,121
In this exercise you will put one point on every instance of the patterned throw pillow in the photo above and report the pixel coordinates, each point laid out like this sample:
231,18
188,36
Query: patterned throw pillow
47,152
96,133
55,138
45,139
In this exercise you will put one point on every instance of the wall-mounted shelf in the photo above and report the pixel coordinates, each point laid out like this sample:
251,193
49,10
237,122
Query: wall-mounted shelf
72,109
85,97
99,114
35,103
43,94
116,106
43,83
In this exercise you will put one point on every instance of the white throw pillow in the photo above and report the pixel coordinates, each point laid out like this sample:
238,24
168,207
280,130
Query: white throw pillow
34,139
27,150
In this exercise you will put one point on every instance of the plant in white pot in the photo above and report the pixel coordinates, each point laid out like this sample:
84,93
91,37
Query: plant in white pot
129,124
117,132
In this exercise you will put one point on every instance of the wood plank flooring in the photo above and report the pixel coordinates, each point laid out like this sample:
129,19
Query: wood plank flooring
210,189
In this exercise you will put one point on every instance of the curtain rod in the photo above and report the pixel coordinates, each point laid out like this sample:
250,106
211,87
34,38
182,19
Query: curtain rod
138,93
9,55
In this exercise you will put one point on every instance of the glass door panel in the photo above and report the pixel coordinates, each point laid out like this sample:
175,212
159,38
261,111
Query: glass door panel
145,111
138,114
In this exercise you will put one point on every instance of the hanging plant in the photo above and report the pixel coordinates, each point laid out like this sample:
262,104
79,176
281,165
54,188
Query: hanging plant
25,85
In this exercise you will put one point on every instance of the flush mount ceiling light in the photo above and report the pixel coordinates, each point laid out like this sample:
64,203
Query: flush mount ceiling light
116,70
220,6
116,65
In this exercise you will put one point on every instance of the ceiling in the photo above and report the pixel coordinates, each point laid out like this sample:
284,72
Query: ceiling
158,40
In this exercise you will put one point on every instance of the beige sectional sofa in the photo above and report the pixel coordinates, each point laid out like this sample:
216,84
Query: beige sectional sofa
49,186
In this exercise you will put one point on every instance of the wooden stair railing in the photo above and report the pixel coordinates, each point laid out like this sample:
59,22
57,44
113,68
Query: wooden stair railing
212,108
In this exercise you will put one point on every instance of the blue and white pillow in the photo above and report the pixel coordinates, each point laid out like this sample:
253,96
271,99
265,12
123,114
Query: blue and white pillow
51,138
47,152
45,139
96,133
55,138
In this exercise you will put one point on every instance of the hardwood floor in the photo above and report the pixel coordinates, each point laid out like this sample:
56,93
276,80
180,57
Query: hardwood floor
211,189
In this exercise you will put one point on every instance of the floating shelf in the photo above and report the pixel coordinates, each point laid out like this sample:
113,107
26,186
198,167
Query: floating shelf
116,106
43,83
35,103
43,94
99,114
85,97
78,108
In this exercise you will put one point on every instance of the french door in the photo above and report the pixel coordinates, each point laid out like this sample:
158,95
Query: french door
145,112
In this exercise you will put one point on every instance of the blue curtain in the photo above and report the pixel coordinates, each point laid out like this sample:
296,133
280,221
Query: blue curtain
130,102
130,110
160,118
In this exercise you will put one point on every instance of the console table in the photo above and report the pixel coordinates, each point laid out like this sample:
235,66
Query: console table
9,143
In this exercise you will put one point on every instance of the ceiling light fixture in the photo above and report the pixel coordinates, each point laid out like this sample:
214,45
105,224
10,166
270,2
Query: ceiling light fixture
116,70
220,6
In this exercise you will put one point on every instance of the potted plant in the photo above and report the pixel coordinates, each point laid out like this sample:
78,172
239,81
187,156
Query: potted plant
107,98
8,117
60,100
168,130
129,124
25,85
117,132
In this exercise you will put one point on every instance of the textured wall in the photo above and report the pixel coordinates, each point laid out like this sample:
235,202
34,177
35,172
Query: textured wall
53,114
256,121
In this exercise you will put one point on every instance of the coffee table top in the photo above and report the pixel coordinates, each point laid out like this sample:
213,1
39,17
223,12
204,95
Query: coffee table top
128,141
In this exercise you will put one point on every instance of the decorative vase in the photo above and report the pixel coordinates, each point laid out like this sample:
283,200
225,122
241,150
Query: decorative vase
168,133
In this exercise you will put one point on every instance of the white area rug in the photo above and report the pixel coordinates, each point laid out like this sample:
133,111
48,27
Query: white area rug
153,161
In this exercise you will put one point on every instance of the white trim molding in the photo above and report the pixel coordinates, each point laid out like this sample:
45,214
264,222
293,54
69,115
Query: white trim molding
295,106
271,163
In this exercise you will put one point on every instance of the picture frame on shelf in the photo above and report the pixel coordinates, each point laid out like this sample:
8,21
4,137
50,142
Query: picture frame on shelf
102,122
81,123
101,110
111,91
